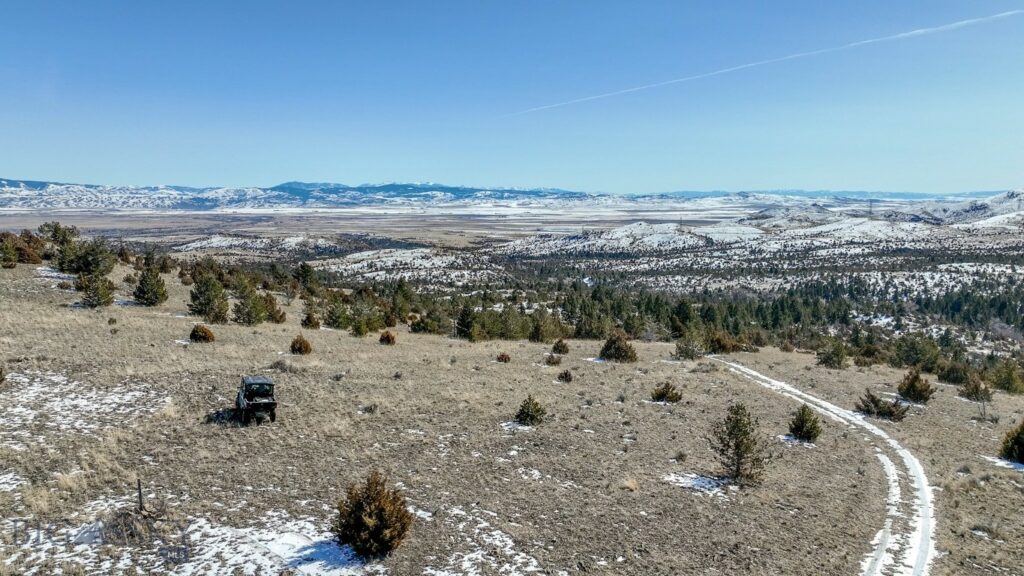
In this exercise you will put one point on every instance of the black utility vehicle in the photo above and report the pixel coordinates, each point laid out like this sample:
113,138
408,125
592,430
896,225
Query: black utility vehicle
256,399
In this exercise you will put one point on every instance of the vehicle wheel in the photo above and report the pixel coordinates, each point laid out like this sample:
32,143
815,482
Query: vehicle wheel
246,417
273,415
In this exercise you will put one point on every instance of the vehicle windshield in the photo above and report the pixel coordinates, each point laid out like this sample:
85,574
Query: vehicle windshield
254,390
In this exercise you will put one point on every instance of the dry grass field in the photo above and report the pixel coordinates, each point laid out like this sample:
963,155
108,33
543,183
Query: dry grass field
97,399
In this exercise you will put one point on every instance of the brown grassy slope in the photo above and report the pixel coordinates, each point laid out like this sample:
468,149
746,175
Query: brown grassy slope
600,459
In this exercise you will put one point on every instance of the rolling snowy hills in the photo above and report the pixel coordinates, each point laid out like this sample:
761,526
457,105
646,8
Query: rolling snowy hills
765,210
32,195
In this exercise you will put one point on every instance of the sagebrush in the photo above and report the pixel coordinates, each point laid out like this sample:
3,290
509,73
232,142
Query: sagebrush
301,346
666,392
872,405
1013,445
560,347
373,518
201,334
618,349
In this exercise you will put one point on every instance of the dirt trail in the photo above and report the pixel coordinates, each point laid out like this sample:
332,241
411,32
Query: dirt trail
905,546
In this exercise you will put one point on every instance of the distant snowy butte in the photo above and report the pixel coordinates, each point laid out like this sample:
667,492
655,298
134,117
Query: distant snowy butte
962,212
638,238
865,230
786,217
429,265
729,232
254,244
1014,221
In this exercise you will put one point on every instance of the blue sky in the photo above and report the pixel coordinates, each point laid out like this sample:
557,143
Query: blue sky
256,93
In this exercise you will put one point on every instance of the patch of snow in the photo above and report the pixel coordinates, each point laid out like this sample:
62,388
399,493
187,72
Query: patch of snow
37,404
791,440
708,485
1003,463
513,426
421,514
9,482
276,543
49,273
530,474
485,549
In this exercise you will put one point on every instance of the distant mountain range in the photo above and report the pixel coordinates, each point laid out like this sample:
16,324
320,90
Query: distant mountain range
39,195
28,194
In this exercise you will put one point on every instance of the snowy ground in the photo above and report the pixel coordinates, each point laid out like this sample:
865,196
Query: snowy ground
40,405
275,543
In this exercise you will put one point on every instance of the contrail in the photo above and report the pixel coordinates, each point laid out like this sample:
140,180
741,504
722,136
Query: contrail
900,36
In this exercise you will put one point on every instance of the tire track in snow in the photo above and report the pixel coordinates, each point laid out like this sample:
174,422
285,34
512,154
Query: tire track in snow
917,543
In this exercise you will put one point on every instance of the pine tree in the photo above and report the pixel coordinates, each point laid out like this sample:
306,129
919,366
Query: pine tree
306,276
915,388
464,324
805,426
250,309
58,233
150,290
833,355
98,291
530,412
92,258
509,324
338,317
8,253
1007,377
741,450
209,299
274,312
